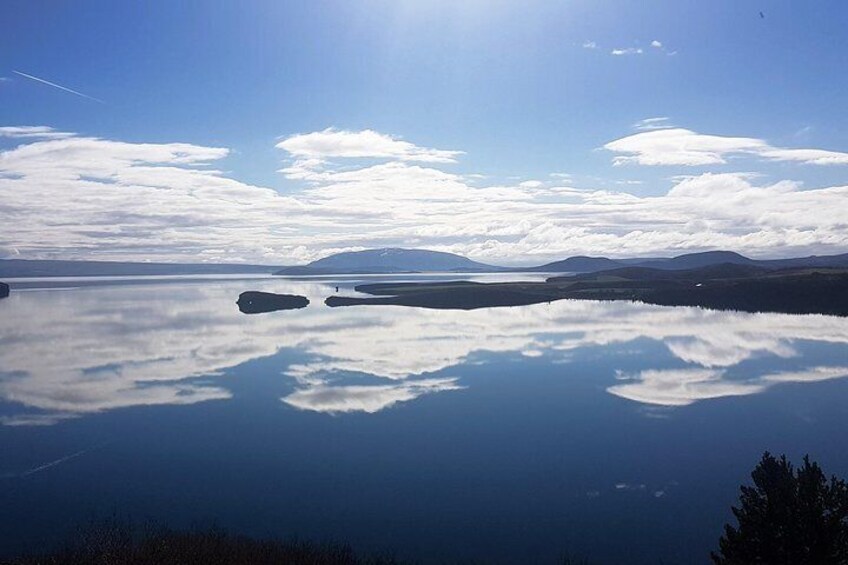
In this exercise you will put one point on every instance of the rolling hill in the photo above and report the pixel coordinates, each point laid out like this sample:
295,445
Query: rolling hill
390,260
578,264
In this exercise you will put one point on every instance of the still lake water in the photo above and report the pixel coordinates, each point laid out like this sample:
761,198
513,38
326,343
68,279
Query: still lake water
615,431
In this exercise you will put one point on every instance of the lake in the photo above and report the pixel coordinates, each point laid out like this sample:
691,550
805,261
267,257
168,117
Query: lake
618,432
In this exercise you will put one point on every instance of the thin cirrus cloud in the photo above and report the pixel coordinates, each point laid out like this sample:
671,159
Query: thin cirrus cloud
41,132
71,196
660,122
678,146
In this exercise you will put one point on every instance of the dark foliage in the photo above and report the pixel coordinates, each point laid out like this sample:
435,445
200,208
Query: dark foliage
723,287
789,517
117,543
809,293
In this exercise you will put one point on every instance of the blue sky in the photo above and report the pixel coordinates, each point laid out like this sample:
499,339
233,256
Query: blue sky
524,90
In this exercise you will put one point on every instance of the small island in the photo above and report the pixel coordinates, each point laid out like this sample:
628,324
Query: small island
256,302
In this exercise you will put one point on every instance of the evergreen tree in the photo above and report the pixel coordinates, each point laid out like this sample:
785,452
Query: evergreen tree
789,517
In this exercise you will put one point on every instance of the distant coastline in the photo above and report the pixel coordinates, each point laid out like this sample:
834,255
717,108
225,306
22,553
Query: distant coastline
401,261
722,287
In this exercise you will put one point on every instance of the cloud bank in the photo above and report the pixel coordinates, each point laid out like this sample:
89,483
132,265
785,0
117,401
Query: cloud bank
64,195
678,146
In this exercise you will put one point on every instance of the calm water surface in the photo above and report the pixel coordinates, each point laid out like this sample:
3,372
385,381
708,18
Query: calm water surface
615,431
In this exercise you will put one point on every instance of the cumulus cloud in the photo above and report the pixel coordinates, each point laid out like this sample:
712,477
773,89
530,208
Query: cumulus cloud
590,45
80,196
70,196
367,143
657,44
678,146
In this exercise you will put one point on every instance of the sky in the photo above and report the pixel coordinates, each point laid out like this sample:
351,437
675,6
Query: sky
510,132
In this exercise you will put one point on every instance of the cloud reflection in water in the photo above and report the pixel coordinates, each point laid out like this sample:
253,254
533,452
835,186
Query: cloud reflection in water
68,353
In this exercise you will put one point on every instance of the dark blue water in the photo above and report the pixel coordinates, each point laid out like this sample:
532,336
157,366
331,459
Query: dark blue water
617,432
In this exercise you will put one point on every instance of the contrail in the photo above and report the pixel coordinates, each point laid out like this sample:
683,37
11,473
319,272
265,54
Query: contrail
59,461
51,464
59,86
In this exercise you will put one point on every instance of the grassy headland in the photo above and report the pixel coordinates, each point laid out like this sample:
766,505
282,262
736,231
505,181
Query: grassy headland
724,287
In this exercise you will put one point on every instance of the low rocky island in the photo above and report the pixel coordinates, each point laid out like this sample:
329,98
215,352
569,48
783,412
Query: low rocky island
450,296
722,287
256,302
4,290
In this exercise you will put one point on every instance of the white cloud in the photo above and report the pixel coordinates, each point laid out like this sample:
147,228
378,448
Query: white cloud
42,132
367,143
590,45
656,44
678,146
661,122
807,156
627,51
364,398
81,197
681,387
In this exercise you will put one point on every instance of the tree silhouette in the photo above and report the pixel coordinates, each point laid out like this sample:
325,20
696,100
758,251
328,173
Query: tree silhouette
789,517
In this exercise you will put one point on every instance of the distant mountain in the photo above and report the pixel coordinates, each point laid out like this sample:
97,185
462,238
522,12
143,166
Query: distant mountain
44,268
396,260
639,273
696,260
390,260
578,264
814,261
